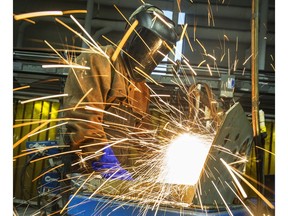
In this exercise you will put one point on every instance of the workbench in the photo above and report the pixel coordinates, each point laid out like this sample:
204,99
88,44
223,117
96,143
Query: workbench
81,205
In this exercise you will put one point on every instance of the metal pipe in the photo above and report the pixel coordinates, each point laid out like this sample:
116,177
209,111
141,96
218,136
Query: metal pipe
88,19
101,32
175,20
255,96
263,33
254,67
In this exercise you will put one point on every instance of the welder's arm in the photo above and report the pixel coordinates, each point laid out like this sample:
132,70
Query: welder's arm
91,88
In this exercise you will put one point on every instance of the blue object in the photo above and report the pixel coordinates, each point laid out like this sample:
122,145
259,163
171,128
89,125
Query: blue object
50,183
41,145
103,206
110,166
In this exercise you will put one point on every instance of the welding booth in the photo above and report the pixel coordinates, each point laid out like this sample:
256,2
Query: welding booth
225,110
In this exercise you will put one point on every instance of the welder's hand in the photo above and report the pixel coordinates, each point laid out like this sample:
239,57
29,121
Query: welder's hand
110,167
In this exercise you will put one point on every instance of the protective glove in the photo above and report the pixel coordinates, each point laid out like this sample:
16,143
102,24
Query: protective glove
110,167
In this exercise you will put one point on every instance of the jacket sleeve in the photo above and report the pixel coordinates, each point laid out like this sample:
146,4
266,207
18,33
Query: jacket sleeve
90,87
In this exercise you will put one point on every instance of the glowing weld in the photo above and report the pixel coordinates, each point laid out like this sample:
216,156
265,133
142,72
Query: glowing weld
184,159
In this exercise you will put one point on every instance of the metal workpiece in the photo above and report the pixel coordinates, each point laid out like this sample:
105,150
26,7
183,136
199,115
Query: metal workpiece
231,146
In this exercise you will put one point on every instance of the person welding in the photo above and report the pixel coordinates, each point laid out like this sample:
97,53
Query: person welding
107,100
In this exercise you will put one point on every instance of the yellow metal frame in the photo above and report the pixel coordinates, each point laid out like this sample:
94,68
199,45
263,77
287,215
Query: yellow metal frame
25,113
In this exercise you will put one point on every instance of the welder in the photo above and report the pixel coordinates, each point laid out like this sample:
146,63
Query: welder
115,84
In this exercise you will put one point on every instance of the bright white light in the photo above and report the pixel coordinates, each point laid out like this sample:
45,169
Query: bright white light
168,14
184,159
178,52
179,44
181,18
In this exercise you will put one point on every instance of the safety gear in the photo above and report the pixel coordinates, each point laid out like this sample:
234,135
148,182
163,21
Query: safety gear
109,166
150,41
86,124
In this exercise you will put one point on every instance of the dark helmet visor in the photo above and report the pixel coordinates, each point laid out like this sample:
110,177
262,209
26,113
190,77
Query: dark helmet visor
148,44
146,51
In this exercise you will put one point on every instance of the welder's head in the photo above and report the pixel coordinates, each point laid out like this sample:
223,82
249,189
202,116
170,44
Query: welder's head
150,41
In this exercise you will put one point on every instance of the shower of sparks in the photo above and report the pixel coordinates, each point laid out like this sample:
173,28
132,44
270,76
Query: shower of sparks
202,62
170,60
44,123
26,16
46,129
74,11
81,99
255,190
190,67
228,72
103,111
123,51
28,122
236,55
54,155
171,165
210,14
194,29
93,46
138,70
124,39
103,184
66,66
144,42
160,95
31,132
234,178
28,20
43,98
20,88
209,69
83,160
44,173
28,152
89,36
239,198
37,14
247,59
202,46
178,5
75,32
266,150
160,18
64,60
76,193
209,55
225,203
187,39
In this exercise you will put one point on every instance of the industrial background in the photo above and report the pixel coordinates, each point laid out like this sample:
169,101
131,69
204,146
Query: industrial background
221,28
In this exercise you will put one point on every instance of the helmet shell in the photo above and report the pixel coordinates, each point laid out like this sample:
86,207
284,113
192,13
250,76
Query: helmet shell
149,42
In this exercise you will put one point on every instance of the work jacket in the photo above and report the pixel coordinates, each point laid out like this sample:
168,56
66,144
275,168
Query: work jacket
95,93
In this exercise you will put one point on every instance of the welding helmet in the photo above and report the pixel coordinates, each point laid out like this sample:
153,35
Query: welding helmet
150,41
